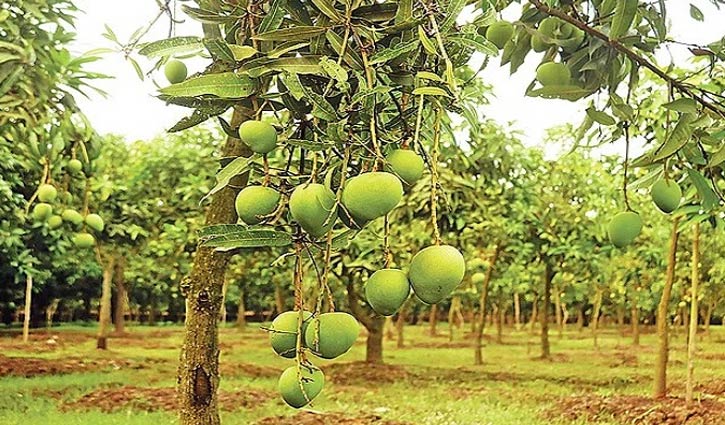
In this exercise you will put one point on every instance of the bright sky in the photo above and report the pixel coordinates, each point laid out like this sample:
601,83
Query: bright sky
132,111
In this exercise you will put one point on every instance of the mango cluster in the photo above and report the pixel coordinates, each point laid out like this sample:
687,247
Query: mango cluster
327,336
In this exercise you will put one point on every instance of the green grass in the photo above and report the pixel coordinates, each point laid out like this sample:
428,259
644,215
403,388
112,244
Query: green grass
512,387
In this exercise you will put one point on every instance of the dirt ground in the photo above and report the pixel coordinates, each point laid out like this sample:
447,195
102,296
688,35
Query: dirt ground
319,418
30,366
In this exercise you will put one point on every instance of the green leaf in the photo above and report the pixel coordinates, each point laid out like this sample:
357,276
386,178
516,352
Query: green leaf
426,42
230,236
225,85
684,105
453,9
236,167
273,19
291,34
351,57
284,48
476,42
717,158
431,91
219,50
602,118
570,93
425,75
393,52
623,17
696,13
328,8
679,136
308,144
708,196
171,46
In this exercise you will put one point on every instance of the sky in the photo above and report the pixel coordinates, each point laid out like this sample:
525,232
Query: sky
131,110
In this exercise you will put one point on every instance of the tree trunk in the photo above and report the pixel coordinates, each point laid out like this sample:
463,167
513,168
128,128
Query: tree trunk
119,319
660,378
433,320
517,311
546,305
620,318
389,328
580,318
635,325
478,342
241,312
400,324
50,312
223,312
374,343
708,317
28,302
564,317
557,308
499,324
278,298
695,280
534,315
595,316
198,373
104,315
455,318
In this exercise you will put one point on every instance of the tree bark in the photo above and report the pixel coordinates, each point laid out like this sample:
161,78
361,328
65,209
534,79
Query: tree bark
660,378
635,325
557,308
400,324
544,313
580,318
478,342
517,311
104,314
499,323
595,316
695,281
534,315
564,317
620,318
26,310
708,317
241,312
433,320
389,328
119,319
278,298
198,373
374,343
223,312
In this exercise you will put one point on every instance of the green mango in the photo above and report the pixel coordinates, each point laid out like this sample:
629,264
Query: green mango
313,206
72,216
255,202
550,26
261,137
386,290
435,272
478,278
553,74
75,166
372,195
283,332
95,222
499,33
291,390
624,228
406,164
538,44
667,195
42,211
175,71
47,193
55,221
83,240
331,334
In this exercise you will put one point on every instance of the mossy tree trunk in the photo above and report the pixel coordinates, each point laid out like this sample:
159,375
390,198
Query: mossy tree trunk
544,310
373,322
198,372
691,347
104,313
26,308
481,318
557,308
119,316
580,318
433,320
660,378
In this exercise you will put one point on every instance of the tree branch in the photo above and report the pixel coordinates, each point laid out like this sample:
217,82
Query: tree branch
616,45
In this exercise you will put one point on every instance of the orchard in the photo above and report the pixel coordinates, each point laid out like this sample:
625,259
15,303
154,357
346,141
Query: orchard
329,224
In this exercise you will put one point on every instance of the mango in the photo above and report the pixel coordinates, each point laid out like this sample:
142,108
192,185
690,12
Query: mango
291,390
313,206
405,164
41,211
667,195
435,272
72,216
260,136
47,193
55,221
95,222
386,290
478,278
283,332
255,202
175,71
538,44
372,195
624,228
553,74
83,240
75,166
331,334
499,33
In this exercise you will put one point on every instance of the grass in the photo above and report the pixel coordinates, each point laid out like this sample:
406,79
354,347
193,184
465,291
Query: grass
512,387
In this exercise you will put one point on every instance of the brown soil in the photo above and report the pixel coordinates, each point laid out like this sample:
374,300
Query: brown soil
326,418
639,410
441,344
248,369
30,366
152,399
363,373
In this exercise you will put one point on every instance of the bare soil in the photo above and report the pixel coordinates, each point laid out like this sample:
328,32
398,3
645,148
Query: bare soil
363,373
327,418
30,366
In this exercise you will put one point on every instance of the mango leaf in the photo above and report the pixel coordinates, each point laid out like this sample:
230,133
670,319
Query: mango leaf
708,196
321,108
234,236
571,93
226,85
241,53
679,136
425,75
284,48
236,167
219,50
476,42
171,46
328,8
623,16
197,117
426,42
602,118
453,9
393,52
308,64
684,105
308,144
206,16
351,57
696,13
273,19
299,33
431,91
717,158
